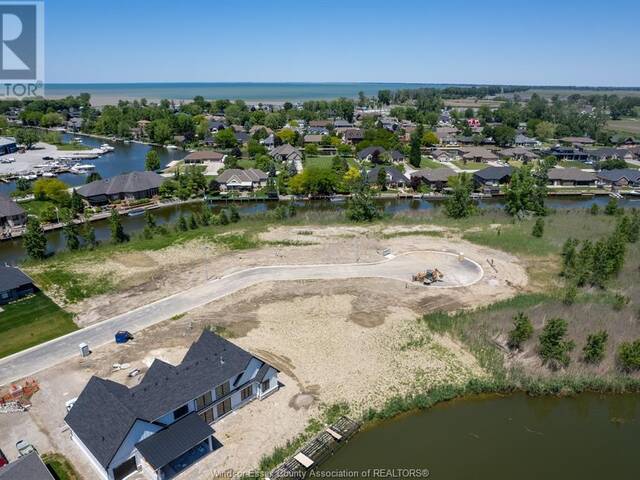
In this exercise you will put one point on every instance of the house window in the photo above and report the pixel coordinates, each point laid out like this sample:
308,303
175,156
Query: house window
265,385
207,415
222,390
204,400
246,392
180,412
223,407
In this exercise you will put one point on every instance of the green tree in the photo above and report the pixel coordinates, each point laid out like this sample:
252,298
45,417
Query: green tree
525,194
76,204
361,206
459,203
629,356
521,332
89,234
538,228
182,224
415,154
150,219
34,239
71,233
612,207
593,351
27,137
545,130
93,177
152,160
226,138
381,179
554,348
117,230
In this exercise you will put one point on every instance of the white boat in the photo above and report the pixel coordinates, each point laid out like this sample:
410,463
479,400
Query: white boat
635,193
106,147
82,168
171,147
77,139
49,175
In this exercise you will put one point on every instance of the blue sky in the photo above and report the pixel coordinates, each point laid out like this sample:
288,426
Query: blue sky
483,41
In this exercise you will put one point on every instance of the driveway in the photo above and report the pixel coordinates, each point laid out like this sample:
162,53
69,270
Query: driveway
457,273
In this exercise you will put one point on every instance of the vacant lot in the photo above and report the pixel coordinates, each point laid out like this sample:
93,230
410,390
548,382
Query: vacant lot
31,321
630,125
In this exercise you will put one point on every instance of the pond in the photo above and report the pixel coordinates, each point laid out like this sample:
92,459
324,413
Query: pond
588,436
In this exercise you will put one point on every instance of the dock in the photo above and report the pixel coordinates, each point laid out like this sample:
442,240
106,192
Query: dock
317,450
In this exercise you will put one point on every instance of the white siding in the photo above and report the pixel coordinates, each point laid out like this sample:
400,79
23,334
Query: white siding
92,459
138,432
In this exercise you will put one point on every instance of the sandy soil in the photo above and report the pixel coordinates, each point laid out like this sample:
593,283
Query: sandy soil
356,341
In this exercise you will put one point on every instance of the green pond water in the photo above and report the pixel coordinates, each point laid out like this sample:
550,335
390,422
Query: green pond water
517,437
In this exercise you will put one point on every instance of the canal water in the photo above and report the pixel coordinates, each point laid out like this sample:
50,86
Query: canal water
516,437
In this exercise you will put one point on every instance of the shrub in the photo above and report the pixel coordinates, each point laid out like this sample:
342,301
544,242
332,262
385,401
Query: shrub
538,228
522,331
554,349
593,351
595,209
629,356
619,302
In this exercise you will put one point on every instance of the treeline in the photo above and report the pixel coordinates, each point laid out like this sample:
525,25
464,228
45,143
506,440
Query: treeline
453,92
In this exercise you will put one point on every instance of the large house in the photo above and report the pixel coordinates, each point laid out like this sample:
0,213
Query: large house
518,153
571,177
478,154
622,177
14,284
395,178
11,214
522,140
163,425
437,179
204,156
237,179
493,176
128,186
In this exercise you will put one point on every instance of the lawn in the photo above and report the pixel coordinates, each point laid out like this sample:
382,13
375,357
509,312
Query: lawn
60,467
427,162
37,207
246,163
630,125
573,164
323,161
469,165
32,321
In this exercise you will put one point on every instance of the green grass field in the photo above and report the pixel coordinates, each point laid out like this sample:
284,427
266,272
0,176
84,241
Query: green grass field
60,466
469,165
246,163
31,321
323,161
427,162
630,125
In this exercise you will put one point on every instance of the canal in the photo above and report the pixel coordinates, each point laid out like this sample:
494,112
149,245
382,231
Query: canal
584,437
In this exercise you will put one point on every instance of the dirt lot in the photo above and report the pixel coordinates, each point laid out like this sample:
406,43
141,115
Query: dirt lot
355,341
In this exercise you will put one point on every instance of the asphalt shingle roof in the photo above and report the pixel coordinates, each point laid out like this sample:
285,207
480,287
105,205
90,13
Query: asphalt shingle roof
494,173
395,175
571,174
12,277
248,175
618,174
29,467
9,208
126,183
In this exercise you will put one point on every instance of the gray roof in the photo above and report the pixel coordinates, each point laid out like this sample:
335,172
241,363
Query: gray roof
285,150
365,152
126,183
106,410
494,173
435,175
4,141
29,467
166,445
248,175
12,277
620,173
394,173
574,174
9,208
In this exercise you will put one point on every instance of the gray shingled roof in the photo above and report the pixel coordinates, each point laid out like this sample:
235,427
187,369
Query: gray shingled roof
618,174
161,448
9,208
571,174
29,467
494,173
12,277
394,173
248,175
365,152
435,175
106,410
126,183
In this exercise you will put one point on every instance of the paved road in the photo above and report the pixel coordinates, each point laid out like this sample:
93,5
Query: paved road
35,359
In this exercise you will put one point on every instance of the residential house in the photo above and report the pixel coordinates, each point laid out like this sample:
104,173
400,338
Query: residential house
8,145
320,123
313,139
522,140
242,137
518,153
161,426
388,123
608,153
623,177
568,153
370,153
288,154
237,179
269,142
11,214
571,177
74,124
493,176
204,156
473,122
26,467
317,131
353,136
340,123
624,141
395,178
443,155
478,154
128,186
14,284
437,179
578,141
215,125
447,135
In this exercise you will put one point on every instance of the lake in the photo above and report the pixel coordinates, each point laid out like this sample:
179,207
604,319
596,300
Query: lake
516,437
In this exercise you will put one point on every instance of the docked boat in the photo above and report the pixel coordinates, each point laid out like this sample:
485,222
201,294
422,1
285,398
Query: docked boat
82,168
49,175
634,193
135,212
171,147
105,147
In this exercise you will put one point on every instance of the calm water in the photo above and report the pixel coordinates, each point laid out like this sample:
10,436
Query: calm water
580,438
274,92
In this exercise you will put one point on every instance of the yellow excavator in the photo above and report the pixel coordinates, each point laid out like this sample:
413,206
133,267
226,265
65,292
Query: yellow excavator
428,277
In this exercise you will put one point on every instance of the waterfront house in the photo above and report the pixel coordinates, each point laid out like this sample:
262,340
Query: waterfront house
622,177
608,153
437,179
395,178
14,284
237,179
203,157
162,426
26,467
493,176
128,186
8,145
11,214
571,177
289,155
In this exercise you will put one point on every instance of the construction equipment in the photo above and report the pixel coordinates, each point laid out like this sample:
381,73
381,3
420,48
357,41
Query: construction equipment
428,276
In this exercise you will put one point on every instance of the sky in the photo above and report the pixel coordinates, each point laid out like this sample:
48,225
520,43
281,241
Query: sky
542,42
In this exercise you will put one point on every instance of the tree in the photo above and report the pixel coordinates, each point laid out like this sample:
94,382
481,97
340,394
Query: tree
182,225
89,234
117,230
554,349
361,206
459,203
504,135
429,139
93,177
612,207
381,179
629,356
70,232
27,137
593,351
384,97
352,178
51,189
538,228
152,161
76,204
525,194
150,220
226,138
545,130
34,239
415,154
522,331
